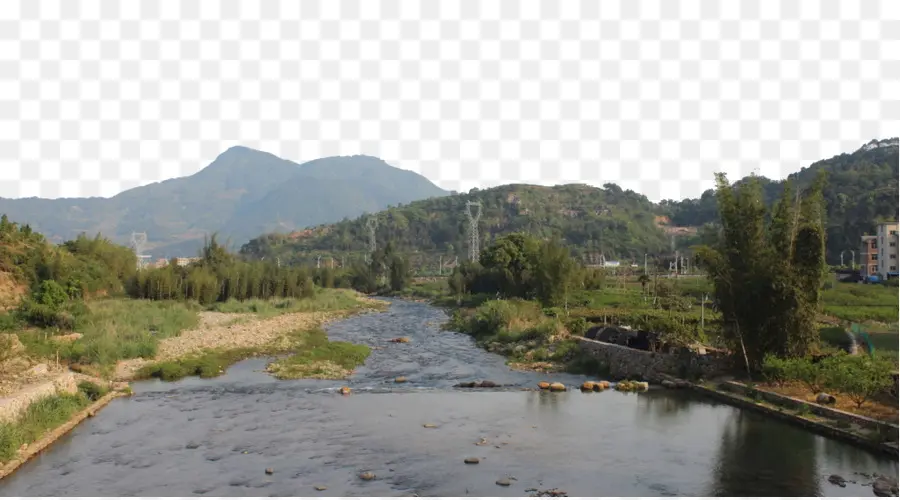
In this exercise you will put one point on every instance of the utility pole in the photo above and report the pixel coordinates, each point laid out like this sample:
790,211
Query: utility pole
318,260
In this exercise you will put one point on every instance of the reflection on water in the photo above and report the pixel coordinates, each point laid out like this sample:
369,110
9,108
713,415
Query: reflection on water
217,437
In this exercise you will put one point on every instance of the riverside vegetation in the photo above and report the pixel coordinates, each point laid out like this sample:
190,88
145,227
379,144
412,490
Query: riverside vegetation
771,304
82,306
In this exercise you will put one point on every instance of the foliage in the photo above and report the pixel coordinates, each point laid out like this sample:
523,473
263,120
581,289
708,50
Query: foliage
862,189
612,221
92,390
768,269
518,265
319,357
859,377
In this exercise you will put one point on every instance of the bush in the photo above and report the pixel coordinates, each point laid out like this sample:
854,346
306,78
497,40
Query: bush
858,377
812,375
775,369
576,326
91,390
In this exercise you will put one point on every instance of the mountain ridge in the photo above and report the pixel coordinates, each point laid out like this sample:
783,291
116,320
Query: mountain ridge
178,213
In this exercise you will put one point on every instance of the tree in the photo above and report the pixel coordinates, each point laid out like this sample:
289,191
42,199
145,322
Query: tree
858,377
768,268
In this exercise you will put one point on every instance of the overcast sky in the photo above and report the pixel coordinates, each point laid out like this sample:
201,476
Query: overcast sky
97,96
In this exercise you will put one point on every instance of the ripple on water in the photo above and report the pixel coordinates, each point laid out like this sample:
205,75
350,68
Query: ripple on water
217,437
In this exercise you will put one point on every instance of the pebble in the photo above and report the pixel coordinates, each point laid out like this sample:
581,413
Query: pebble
321,488
270,472
503,482
472,460
367,476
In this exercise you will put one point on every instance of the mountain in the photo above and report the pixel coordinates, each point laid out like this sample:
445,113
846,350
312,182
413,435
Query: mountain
862,190
241,194
608,221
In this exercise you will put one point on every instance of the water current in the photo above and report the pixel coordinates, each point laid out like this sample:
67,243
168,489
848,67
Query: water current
217,437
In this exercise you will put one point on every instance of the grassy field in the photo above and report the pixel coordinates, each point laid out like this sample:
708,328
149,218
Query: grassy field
114,329
862,303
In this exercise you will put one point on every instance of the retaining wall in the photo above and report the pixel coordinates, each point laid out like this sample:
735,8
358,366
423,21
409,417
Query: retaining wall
625,362
13,406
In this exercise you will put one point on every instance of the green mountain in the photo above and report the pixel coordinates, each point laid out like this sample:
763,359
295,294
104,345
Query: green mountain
240,195
616,223
862,190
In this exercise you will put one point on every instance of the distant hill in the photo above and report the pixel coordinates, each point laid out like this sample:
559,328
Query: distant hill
241,194
862,189
608,221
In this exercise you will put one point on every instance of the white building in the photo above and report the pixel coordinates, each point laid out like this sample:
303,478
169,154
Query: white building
888,247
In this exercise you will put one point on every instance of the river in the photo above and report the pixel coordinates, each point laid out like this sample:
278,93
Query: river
217,437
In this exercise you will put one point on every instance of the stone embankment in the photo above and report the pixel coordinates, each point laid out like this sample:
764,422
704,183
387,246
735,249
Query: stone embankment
654,367
49,438
14,405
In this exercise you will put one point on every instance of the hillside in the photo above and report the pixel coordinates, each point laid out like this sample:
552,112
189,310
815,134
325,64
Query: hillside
241,194
862,189
616,223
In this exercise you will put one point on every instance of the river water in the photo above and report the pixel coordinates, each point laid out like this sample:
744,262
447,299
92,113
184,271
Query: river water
217,437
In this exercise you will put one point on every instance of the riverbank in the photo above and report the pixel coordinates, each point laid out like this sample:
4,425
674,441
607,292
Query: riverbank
222,339
46,419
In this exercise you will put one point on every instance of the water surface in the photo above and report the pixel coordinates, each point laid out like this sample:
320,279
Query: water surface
217,437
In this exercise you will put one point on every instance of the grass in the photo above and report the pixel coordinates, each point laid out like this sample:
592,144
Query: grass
860,303
326,299
42,416
115,329
320,358
313,356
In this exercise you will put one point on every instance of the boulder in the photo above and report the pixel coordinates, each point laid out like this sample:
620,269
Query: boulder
825,399
269,472
486,384
400,340
668,384
587,387
885,487
400,380
543,385
465,385
472,460
367,476
345,390
837,480
557,387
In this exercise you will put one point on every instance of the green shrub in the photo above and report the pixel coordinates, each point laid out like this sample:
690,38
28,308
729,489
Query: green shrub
576,326
858,377
775,369
91,390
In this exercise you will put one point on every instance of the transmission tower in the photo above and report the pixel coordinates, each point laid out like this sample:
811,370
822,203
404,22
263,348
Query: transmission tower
474,244
371,225
138,244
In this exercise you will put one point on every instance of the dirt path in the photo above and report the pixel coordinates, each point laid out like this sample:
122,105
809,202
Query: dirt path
228,331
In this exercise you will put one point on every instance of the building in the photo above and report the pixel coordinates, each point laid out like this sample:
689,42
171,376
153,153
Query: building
868,256
887,243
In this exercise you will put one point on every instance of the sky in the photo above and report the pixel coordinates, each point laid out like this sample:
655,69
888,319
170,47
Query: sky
98,96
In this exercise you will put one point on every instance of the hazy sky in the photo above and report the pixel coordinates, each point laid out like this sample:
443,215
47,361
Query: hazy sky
97,96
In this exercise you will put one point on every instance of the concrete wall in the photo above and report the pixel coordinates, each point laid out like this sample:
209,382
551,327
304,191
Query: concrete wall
625,362
13,406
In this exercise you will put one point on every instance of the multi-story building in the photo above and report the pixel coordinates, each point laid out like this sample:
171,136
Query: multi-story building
868,255
888,248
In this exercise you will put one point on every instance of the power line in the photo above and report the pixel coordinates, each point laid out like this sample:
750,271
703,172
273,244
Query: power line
474,243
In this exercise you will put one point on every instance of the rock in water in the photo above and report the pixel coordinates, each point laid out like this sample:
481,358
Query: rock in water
503,482
270,472
345,390
320,488
487,384
367,476
837,480
825,399
400,340
587,387
400,380
430,426
885,487
472,460
557,387
543,385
